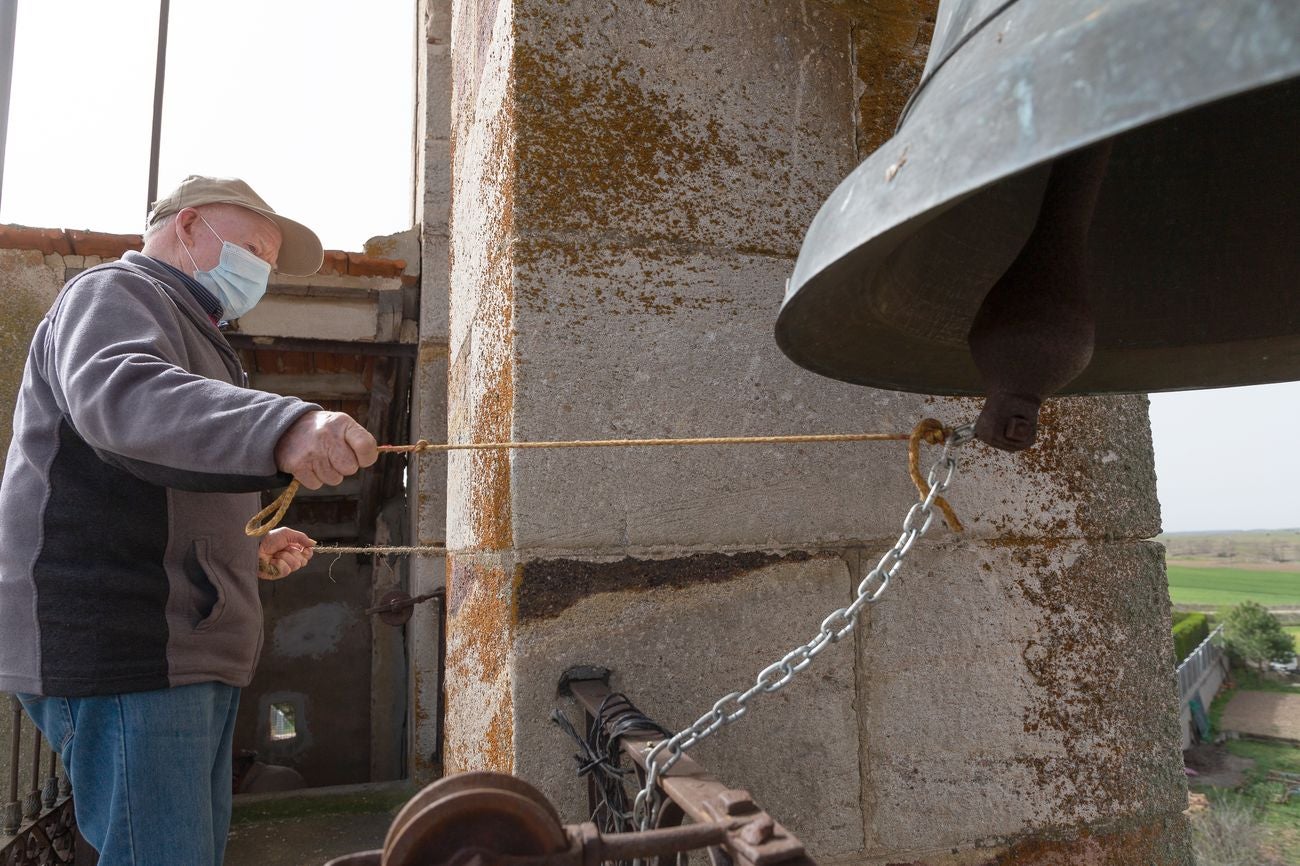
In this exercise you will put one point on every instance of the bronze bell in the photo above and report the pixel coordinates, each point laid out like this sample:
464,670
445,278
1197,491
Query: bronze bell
1080,198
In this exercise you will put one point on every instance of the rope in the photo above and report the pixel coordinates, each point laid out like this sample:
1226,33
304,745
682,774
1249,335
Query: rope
929,431
425,445
379,550
932,432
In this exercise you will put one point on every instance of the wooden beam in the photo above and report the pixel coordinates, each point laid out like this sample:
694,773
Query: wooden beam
327,347
311,386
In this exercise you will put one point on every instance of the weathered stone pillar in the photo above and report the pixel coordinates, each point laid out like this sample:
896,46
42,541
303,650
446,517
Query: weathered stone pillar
428,473
632,181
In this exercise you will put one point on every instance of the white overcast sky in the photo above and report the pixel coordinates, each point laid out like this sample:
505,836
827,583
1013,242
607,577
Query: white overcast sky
312,101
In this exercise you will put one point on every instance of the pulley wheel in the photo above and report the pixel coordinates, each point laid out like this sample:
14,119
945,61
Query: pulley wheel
490,812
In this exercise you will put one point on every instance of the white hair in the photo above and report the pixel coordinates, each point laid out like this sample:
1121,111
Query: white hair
151,231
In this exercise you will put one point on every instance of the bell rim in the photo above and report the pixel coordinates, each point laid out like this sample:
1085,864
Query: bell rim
892,167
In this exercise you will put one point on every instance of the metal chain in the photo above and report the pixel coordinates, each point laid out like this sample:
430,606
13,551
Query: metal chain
730,708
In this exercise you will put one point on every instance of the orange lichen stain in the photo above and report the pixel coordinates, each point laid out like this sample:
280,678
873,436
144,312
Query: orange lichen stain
1132,843
891,41
480,628
431,351
491,409
490,504
1162,841
606,144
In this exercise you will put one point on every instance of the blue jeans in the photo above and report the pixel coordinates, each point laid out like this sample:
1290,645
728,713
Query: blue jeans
150,771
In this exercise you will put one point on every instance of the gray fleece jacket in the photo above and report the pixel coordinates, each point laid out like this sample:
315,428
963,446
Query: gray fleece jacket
134,465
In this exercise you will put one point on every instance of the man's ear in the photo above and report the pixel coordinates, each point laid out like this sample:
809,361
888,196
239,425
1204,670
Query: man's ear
184,225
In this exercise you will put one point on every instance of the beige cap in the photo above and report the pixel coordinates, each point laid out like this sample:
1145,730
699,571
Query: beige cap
300,249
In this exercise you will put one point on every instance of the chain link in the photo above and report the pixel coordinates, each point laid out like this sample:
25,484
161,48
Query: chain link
838,625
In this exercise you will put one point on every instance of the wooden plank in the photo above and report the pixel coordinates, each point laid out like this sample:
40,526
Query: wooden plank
267,345
311,386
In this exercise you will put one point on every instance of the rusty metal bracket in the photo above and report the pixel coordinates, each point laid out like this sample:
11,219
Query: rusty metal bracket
396,606
492,819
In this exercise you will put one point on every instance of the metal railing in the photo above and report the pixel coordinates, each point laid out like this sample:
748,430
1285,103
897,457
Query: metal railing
1207,654
36,816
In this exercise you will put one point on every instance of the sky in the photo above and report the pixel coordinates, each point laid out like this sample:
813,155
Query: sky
312,102
1227,459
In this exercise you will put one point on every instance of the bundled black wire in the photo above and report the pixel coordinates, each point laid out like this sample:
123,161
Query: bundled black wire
600,758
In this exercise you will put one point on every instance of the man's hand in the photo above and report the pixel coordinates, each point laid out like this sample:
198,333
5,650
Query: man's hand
282,552
323,447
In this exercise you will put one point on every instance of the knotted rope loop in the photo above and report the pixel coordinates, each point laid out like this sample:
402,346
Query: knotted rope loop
269,517
931,432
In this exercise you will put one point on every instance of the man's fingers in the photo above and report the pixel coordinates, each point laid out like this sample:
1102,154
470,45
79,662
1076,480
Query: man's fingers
297,538
283,538
325,472
362,444
341,457
269,569
308,478
282,552
282,564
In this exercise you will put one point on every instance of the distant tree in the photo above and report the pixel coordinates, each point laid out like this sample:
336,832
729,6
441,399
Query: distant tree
1252,634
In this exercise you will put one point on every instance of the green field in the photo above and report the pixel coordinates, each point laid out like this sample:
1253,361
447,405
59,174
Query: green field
1223,587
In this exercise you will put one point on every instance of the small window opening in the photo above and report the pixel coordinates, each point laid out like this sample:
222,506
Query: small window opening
283,723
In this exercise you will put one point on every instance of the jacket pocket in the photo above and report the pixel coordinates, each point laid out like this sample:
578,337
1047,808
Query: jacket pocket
206,588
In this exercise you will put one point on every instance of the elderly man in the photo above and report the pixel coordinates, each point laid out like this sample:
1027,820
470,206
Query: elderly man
129,612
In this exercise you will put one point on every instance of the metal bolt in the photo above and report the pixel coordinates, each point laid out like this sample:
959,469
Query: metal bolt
1018,429
736,802
759,830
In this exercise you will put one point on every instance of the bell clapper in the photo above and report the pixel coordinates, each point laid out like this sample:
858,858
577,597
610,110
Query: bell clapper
1034,331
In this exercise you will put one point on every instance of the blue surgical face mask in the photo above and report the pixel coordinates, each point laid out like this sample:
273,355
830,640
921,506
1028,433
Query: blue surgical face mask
239,279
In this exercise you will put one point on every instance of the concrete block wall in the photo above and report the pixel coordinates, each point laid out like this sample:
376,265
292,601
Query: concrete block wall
630,185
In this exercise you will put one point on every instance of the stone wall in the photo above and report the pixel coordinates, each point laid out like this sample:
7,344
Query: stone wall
631,183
